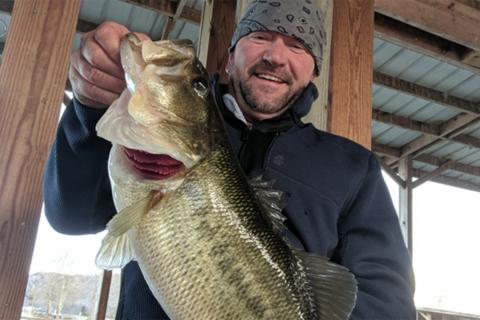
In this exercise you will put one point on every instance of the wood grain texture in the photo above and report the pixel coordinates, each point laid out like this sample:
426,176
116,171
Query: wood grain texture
169,8
350,90
104,292
32,79
448,19
222,26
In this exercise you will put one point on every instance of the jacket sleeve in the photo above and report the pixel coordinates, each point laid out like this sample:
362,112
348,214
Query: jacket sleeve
76,187
371,245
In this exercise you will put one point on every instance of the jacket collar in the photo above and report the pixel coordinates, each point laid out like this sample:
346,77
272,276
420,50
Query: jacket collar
281,123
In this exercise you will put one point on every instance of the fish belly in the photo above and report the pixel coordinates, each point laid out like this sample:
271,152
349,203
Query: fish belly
207,254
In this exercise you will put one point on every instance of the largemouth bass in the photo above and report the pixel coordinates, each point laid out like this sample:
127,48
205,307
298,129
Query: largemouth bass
207,240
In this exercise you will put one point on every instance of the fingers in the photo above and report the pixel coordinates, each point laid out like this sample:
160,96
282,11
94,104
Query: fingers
96,73
88,93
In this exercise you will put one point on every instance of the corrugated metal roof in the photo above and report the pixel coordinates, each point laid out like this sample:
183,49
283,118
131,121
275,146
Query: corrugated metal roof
389,58
426,71
137,18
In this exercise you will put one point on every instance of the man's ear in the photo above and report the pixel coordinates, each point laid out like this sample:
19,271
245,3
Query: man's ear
229,64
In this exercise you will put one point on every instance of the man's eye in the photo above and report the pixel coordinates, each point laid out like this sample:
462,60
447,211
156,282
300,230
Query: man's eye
297,48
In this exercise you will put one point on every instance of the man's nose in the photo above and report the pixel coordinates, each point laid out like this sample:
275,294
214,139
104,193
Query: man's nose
276,53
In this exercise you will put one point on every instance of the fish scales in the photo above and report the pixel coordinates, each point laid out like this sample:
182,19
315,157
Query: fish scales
199,246
207,240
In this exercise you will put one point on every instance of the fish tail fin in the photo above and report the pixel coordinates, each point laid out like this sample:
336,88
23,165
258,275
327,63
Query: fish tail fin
333,287
116,249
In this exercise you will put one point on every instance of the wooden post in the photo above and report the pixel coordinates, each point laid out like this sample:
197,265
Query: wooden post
351,60
222,25
32,79
318,114
405,206
104,293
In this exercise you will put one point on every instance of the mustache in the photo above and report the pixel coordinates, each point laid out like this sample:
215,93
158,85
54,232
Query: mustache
269,68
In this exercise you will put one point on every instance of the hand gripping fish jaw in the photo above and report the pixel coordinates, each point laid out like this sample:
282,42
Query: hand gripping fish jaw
208,240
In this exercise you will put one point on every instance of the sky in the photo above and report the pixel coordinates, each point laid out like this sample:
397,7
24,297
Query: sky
446,239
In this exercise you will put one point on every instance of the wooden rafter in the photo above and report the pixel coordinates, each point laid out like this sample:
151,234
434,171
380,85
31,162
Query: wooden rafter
448,19
427,159
394,175
167,28
426,93
452,128
422,127
169,8
449,181
417,40
432,174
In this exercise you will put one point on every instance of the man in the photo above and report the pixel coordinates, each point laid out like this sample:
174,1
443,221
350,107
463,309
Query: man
337,203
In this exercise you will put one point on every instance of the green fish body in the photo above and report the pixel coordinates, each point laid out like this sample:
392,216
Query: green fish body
207,239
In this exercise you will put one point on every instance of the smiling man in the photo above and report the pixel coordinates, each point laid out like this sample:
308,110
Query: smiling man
337,204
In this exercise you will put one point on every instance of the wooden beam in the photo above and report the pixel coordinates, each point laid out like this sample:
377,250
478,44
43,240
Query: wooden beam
350,88
392,174
167,28
222,26
422,127
450,129
406,123
448,19
32,80
204,32
104,292
169,8
414,39
395,153
454,165
432,174
425,93
172,20
450,181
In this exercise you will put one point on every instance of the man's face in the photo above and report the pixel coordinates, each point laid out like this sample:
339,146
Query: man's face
267,72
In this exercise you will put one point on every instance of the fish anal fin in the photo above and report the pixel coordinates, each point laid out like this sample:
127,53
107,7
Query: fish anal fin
333,287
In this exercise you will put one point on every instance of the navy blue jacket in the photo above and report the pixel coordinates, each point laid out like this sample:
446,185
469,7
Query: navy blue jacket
337,202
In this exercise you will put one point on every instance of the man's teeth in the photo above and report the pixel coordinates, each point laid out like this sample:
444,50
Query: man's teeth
269,77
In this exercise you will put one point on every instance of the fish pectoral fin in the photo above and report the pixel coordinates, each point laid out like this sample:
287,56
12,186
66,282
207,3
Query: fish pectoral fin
116,249
271,202
126,218
115,252
334,286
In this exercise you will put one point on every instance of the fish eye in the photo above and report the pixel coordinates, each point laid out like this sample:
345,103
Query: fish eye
200,85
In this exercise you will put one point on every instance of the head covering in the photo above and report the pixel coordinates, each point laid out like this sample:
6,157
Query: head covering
300,19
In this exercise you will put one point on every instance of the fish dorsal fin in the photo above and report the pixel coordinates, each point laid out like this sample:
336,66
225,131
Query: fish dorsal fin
334,288
116,249
271,202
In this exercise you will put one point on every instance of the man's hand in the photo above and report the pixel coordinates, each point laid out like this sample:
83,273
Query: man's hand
96,73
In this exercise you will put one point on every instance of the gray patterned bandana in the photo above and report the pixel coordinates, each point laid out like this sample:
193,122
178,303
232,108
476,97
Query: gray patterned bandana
300,19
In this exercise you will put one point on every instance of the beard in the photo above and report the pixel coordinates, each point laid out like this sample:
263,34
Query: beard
265,106
264,99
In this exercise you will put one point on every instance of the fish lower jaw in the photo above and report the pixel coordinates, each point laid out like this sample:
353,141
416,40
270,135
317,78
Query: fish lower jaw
153,166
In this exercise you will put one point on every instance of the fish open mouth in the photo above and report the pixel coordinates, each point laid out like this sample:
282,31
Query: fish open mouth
153,166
